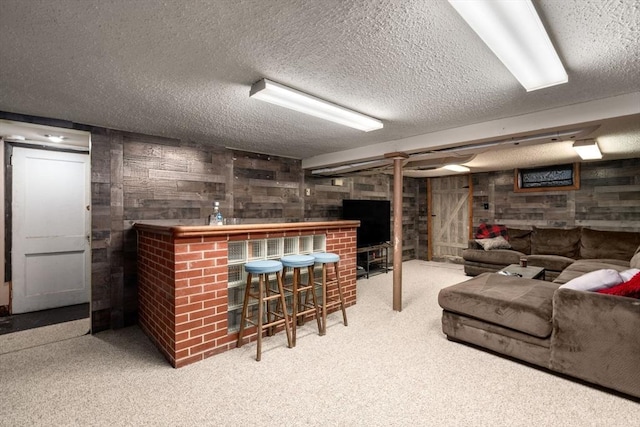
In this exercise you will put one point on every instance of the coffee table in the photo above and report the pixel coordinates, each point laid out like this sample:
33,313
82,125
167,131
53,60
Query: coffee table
528,272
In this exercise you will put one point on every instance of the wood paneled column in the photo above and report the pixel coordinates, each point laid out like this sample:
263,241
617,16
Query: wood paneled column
398,162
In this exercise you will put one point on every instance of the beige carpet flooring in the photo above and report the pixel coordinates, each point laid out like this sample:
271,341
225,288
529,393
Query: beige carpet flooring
385,369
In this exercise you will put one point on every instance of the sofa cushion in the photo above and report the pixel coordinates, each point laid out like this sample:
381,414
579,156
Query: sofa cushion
595,280
512,302
595,244
556,241
583,266
629,289
494,243
496,256
520,240
550,262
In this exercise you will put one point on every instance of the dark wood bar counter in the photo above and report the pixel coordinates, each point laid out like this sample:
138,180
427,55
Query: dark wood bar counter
191,278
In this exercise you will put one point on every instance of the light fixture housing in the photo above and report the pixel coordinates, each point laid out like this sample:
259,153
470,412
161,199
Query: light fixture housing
456,168
587,149
514,32
278,94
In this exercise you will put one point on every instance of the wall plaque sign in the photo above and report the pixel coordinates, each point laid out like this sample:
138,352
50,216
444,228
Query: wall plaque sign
548,178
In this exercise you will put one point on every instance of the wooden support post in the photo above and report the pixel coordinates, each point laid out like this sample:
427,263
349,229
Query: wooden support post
398,161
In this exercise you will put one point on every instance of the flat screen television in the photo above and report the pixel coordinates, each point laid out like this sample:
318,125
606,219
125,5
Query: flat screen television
375,220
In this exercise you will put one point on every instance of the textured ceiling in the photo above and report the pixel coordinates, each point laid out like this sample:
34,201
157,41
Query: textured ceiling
183,69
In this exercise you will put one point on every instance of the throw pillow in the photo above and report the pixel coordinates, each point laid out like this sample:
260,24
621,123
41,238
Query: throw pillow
494,243
486,231
629,289
628,274
595,280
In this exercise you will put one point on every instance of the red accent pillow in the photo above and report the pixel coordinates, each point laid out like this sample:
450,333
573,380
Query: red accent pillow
629,289
487,231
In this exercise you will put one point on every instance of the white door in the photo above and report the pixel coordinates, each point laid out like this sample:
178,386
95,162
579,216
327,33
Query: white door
51,223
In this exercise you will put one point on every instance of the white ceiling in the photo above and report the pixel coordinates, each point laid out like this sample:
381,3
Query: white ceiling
183,69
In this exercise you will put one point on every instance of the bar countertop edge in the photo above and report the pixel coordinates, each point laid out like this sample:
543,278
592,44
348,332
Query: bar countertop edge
217,230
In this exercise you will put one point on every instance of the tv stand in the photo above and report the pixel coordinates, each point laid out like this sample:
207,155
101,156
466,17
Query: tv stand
373,259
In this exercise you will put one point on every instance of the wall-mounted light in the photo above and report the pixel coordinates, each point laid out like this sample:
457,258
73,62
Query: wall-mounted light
456,168
513,30
587,149
275,93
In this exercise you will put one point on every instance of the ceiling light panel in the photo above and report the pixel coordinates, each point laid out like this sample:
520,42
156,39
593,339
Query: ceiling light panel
275,93
587,149
514,32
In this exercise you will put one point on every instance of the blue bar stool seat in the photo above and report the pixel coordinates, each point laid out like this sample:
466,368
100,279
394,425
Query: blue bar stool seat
301,309
265,295
327,258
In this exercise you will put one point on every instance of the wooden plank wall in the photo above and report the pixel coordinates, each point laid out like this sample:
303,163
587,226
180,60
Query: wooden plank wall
139,177
325,202
608,199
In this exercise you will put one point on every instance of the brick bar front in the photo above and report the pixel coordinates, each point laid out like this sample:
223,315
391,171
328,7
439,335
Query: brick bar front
182,281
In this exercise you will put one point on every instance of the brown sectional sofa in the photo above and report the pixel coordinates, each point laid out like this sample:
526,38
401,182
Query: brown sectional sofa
555,249
587,335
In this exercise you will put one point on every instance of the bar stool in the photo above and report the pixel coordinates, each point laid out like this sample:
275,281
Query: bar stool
300,309
326,258
264,297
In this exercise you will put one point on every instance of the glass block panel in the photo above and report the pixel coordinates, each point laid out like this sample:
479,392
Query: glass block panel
319,243
306,244
236,296
256,249
274,248
236,275
237,252
233,320
290,245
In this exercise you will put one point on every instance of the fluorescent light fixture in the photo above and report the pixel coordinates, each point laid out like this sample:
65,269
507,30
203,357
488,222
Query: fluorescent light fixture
587,149
513,31
275,93
456,168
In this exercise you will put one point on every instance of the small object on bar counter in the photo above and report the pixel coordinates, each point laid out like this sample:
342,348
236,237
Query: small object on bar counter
523,262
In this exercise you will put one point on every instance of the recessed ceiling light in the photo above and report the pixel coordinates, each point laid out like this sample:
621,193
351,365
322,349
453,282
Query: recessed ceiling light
457,168
55,138
15,138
